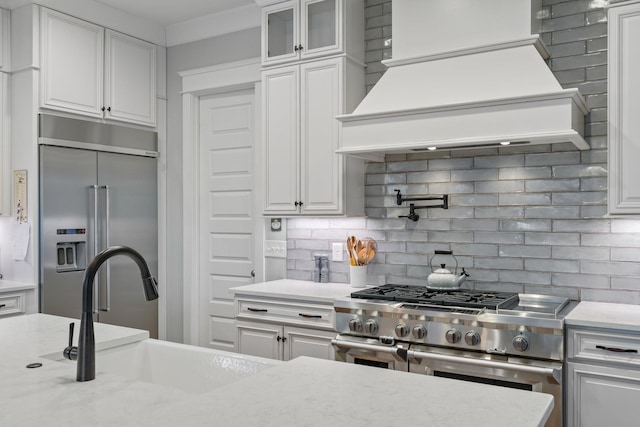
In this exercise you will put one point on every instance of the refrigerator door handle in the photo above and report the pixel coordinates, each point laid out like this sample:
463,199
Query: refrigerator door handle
107,218
96,246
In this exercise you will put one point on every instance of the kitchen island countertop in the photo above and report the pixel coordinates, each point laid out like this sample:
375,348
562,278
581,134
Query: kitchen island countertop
302,392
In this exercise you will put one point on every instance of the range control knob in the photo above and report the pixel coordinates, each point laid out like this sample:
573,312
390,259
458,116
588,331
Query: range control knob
520,343
452,336
355,325
371,326
419,332
402,330
472,338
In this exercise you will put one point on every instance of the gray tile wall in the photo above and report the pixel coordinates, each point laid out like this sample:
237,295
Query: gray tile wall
521,219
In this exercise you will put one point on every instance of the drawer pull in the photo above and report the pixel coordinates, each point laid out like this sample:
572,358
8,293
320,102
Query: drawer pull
3,305
310,316
617,349
257,310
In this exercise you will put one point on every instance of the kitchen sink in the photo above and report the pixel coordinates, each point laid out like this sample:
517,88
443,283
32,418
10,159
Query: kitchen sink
184,367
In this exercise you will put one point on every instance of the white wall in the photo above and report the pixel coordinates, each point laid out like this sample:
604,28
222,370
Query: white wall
217,50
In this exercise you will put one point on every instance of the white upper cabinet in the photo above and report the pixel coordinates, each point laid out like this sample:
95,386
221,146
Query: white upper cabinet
130,76
304,29
624,108
72,64
324,77
83,74
303,173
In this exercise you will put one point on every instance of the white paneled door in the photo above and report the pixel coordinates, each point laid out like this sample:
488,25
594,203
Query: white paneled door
227,220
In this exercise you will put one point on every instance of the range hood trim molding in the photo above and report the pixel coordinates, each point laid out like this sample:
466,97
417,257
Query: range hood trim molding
533,40
378,153
572,93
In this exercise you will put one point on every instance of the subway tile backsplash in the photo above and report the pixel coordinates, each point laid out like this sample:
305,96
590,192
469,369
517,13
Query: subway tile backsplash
521,219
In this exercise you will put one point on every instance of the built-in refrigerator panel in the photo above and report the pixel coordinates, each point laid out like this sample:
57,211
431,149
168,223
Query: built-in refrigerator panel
65,178
98,188
127,188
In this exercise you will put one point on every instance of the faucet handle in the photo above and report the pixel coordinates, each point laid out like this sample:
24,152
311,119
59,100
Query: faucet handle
71,352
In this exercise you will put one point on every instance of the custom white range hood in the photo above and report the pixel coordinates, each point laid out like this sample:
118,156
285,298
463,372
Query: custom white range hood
464,74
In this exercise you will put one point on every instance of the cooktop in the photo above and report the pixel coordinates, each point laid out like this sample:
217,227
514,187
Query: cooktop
454,297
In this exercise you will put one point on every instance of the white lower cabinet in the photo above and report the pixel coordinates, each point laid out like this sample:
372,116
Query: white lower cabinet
602,378
602,396
284,329
13,303
283,342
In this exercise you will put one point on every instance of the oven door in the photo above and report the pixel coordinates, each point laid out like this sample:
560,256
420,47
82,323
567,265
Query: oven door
370,352
523,374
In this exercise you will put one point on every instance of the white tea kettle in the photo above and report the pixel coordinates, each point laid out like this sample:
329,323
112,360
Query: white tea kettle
443,279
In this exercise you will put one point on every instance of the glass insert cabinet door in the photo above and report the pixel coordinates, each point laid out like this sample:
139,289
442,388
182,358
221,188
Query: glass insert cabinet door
300,29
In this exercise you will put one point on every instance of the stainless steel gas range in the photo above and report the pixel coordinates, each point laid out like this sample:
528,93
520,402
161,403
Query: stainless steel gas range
507,339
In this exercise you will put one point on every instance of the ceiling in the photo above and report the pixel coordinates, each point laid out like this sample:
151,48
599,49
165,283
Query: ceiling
169,12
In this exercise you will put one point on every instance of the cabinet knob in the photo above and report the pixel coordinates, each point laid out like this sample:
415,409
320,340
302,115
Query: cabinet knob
103,108
108,108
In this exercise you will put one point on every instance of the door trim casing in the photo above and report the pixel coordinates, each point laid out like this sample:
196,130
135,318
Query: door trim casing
196,83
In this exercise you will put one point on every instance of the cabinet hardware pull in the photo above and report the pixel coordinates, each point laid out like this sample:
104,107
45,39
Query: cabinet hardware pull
3,305
279,338
310,316
257,310
108,108
295,47
103,108
617,349
300,47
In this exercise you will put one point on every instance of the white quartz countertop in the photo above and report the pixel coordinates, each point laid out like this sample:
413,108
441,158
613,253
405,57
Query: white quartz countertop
297,289
9,286
605,315
302,392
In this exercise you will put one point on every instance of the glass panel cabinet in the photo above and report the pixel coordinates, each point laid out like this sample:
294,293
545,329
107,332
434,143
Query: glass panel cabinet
301,29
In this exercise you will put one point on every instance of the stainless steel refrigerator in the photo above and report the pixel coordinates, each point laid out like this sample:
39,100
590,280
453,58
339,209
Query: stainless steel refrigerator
98,188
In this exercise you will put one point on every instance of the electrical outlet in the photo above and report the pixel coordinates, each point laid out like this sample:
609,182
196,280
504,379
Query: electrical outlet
275,248
337,251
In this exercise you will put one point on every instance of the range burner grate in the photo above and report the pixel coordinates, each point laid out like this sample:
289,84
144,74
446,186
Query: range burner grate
422,295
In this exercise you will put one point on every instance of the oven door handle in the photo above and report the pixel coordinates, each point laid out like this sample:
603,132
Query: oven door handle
401,352
538,370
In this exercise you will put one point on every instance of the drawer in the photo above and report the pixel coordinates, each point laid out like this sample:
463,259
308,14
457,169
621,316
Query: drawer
604,346
13,303
317,316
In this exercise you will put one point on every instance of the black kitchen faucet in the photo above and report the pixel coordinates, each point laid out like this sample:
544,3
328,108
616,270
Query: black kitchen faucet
85,352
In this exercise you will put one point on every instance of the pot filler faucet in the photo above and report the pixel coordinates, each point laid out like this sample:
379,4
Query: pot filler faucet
85,352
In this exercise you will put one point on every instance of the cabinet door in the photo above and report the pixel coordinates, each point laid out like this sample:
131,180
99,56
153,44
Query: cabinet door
320,99
308,342
130,79
72,64
280,29
259,339
319,29
600,396
280,129
624,109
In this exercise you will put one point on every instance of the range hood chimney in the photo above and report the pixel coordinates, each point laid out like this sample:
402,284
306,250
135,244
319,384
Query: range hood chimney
464,74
